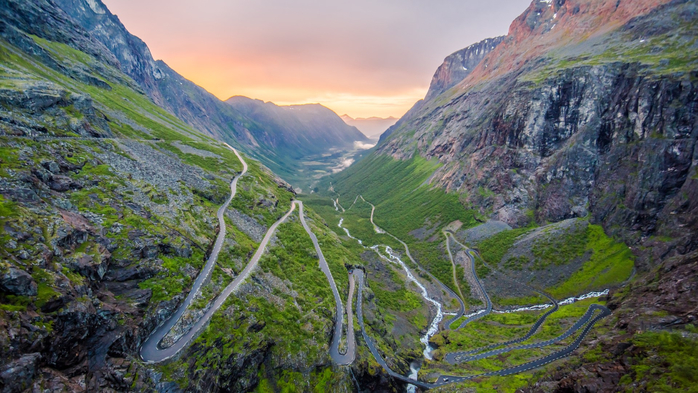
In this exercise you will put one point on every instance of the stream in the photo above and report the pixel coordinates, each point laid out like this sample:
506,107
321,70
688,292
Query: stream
433,327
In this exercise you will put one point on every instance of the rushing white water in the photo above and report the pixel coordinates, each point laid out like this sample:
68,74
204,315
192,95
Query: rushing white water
414,374
335,205
569,300
434,327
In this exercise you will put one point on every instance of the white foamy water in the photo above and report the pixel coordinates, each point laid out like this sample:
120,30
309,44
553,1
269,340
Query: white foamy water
434,327
414,374
569,300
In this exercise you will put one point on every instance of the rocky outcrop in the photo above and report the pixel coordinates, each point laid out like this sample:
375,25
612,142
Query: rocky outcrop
18,282
616,141
17,376
458,65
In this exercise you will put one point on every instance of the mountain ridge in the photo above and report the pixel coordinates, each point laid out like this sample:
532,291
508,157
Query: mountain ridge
188,101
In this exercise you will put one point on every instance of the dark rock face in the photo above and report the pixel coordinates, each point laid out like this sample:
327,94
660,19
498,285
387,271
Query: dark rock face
459,65
17,376
602,140
240,372
18,282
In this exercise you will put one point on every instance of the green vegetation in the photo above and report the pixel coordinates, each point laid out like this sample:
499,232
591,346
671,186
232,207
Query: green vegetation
560,249
658,55
502,327
175,281
493,248
404,203
610,263
398,300
663,362
293,319
8,209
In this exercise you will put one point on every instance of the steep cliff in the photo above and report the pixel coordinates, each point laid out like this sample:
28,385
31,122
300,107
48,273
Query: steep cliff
585,109
458,65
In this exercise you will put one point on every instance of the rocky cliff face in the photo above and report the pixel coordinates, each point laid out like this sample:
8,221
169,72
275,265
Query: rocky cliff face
458,65
451,72
557,140
584,109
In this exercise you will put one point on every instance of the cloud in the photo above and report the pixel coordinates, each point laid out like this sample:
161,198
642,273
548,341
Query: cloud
344,164
363,146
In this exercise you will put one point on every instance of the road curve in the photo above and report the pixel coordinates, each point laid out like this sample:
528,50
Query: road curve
566,351
149,350
587,321
369,343
461,311
488,302
337,357
461,356
461,304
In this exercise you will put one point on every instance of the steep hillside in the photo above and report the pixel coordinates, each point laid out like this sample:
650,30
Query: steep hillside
280,145
586,110
296,135
458,65
108,215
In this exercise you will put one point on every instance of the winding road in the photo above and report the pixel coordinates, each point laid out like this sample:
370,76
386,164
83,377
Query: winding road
461,304
488,301
151,351
455,357
593,314
350,355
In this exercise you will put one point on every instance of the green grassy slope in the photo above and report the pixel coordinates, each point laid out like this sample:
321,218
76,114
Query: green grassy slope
152,185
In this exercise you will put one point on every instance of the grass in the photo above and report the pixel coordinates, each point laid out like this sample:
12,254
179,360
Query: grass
404,203
173,281
560,249
663,54
493,249
663,362
611,263
399,300
496,328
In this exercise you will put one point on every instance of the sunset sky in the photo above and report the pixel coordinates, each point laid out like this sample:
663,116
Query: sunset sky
360,57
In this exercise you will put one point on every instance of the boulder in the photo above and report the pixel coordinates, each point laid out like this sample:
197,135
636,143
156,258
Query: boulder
62,183
87,266
18,282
